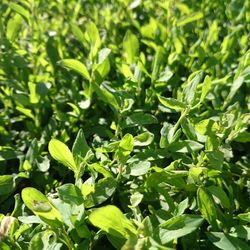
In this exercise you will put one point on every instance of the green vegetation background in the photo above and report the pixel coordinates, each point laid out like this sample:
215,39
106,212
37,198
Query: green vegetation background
137,108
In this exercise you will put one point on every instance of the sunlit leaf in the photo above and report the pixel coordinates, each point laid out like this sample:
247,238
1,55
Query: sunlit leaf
76,66
60,152
39,204
111,220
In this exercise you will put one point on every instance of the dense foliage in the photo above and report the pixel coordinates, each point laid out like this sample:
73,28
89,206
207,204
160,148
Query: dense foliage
124,124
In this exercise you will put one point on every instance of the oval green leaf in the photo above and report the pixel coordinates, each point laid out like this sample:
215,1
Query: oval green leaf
39,204
60,152
172,103
111,220
76,66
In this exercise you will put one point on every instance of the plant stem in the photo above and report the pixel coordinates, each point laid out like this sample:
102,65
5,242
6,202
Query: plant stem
67,240
183,115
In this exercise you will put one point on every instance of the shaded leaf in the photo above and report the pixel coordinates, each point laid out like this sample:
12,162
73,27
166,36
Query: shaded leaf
80,146
179,226
139,168
143,139
186,146
139,119
207,206
102,191
224,241
7,184
71,194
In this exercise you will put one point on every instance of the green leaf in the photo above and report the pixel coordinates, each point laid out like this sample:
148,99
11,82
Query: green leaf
100,169
225,241
43,163
165,76
93,37
243,137
157,63
39,204
103,55
80,147
13,27
60,152
149,30
237,83
206,127
241,231
182,206
77,33
186,146
71,194
191,86
168,135
33,96
139,168
103,66
172,103
188,129
4,246
155,179
130,47
76,110
143,139
26,112
126,71
136,199
178,44
190,18
125,148
139,119
103,190
7,184
7,153
32,219
46,240
127,143
207,207
147,227
215,159
76,66
111,220
116,242
220,196
20,10
206,86
244,217
37,242
133,243
106,95
179,226
70,213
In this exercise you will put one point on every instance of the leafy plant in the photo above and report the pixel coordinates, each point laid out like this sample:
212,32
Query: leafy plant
124,124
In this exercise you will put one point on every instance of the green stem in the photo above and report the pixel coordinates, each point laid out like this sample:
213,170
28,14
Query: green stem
67,240
183,115
118,128
78,180
120,170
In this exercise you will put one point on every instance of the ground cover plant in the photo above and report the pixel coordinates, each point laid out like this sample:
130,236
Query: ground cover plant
124,124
